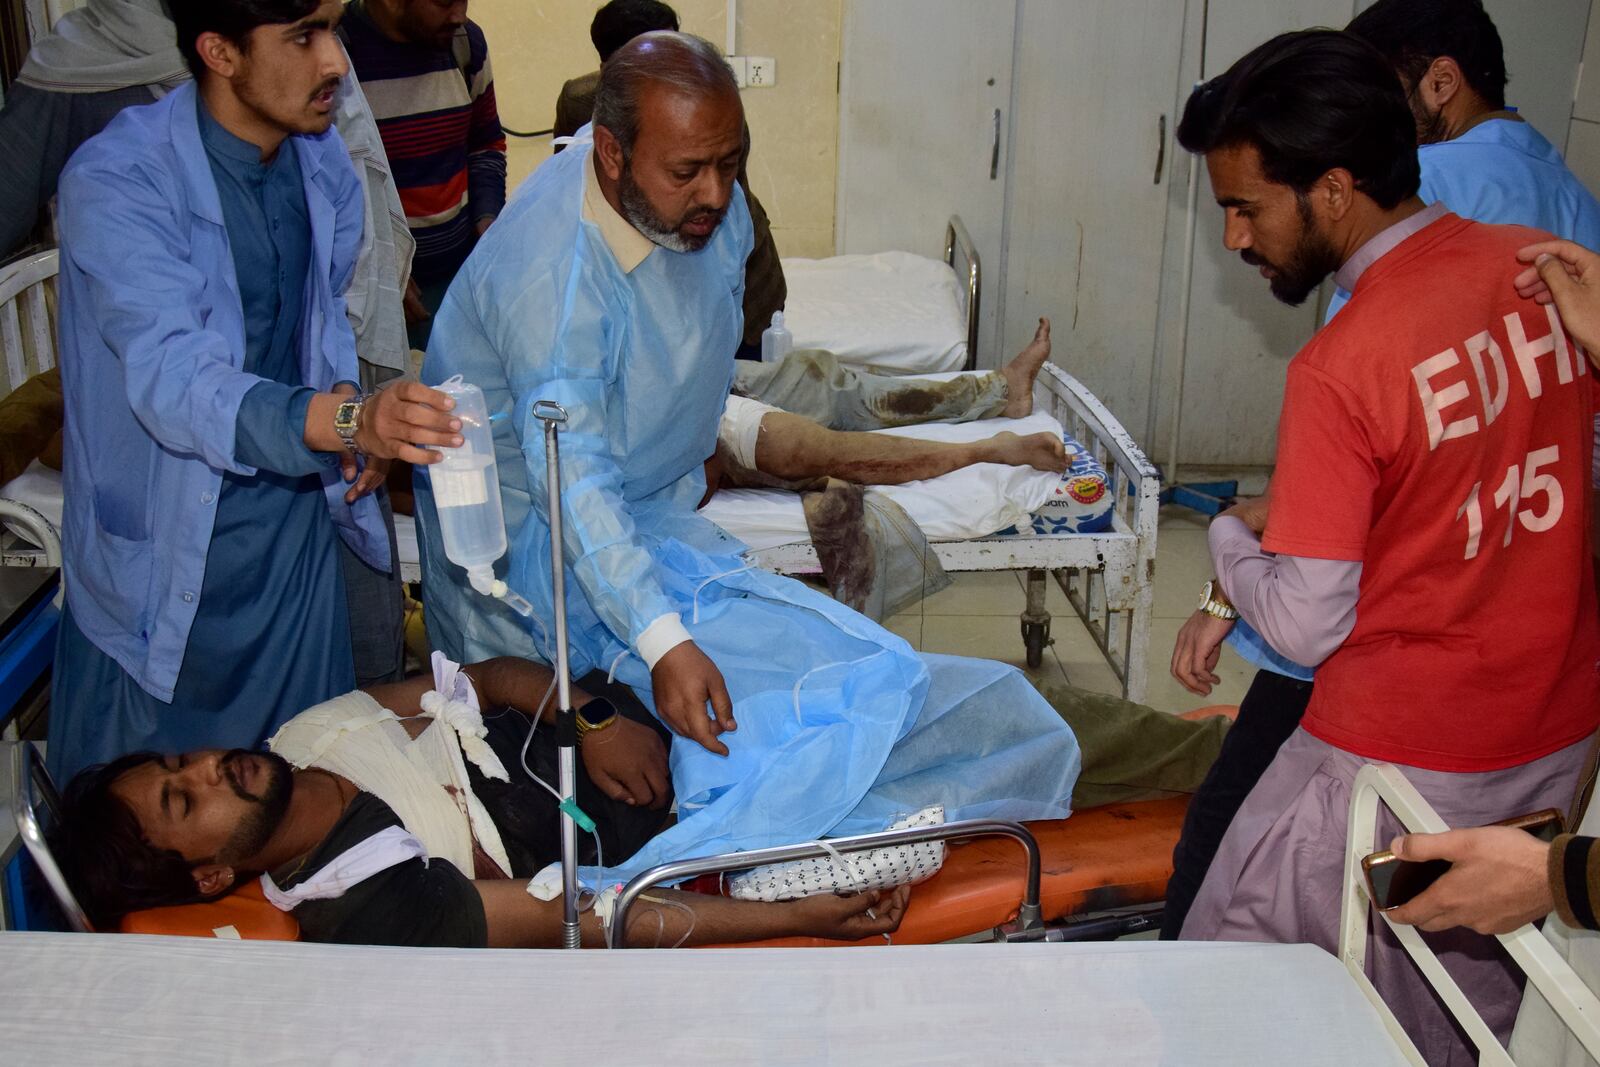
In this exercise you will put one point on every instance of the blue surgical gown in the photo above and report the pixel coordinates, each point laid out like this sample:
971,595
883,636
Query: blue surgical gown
841,724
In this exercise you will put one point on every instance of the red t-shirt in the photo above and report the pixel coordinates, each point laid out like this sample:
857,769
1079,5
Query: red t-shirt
1438,430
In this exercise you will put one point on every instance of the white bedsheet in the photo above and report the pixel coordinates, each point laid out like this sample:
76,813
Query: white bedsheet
972,502
895,311
110,998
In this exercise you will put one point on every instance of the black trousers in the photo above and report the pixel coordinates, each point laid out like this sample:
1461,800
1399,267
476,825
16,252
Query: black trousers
1270,712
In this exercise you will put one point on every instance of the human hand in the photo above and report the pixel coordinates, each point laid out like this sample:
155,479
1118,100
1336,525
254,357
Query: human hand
713,468
1250,510
852,916
1498,880
398,419
366,478
483,224
629,763
683,682
1195,653
1567,275
415,309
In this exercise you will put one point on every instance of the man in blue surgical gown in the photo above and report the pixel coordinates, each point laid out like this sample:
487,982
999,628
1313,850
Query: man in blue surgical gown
612,285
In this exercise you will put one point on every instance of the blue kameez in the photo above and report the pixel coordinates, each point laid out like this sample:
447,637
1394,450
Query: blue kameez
271,635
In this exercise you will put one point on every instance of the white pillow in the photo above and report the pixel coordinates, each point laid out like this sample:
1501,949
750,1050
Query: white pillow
895,311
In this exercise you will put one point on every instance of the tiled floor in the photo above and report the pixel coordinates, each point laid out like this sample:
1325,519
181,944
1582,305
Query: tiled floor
978,616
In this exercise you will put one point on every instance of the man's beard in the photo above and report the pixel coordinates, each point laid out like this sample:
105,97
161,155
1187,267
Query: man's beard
1312,260
637,210
1431,127
258,826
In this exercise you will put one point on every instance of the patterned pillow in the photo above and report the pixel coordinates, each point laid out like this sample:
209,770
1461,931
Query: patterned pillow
848,872
1082,501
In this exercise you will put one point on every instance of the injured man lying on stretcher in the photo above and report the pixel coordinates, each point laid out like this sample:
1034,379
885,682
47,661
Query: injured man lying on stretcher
403,815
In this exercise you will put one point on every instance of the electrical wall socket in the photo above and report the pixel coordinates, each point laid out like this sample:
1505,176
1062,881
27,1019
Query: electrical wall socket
741,68
760,71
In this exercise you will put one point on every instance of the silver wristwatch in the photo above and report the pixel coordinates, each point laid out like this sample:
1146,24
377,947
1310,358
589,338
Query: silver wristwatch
1214,603
347,419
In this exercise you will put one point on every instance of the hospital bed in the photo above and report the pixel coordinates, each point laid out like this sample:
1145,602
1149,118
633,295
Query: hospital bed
905,314
1108,575
97,998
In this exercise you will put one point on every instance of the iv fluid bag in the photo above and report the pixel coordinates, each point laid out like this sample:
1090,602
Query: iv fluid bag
466,488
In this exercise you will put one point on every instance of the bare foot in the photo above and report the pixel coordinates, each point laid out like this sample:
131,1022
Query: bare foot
1021,371
1041,451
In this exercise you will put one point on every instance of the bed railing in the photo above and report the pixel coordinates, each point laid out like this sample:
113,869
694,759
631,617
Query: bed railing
1028,927
1574,1003
1115,602
962,256
27,329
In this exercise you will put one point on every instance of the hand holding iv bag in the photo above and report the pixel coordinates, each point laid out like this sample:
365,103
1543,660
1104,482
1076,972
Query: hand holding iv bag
466,494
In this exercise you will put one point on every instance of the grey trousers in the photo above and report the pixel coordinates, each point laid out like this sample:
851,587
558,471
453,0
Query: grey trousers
813,383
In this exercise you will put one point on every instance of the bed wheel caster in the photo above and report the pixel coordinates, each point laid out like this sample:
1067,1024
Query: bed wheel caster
1035,637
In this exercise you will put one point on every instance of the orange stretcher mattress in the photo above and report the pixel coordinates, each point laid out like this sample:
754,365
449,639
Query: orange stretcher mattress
246,909
1102,858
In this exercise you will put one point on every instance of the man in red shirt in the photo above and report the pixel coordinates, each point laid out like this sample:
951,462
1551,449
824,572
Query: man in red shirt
1426,540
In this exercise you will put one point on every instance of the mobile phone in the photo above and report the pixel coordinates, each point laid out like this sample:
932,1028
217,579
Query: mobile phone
1393,882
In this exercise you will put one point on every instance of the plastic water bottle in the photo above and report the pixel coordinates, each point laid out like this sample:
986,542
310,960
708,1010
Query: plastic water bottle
466,490
775,340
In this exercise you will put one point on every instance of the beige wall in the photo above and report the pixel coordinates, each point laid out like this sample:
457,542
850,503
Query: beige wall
536,45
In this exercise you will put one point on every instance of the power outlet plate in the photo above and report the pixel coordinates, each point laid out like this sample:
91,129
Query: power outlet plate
741,69
760,72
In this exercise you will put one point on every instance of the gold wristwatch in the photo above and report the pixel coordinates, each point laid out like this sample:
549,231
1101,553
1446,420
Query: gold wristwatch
347,419
598,714
1215,603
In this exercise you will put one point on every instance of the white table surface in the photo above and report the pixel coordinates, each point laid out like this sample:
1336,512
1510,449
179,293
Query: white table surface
122,998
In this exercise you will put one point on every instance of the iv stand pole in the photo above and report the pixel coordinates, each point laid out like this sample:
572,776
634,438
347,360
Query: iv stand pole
554,416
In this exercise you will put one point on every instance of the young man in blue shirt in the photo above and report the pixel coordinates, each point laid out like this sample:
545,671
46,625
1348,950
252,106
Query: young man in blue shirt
214,426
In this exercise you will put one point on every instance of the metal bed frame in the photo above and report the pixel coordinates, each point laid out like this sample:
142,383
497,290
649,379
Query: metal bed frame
1028,926
1574,1003
1108,577
26,329
958,243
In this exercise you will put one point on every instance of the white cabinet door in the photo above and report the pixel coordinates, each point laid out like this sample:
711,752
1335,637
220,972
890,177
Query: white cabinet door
1240,337
1091,160
924,100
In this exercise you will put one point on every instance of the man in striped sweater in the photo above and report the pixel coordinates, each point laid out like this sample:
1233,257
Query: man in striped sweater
425,69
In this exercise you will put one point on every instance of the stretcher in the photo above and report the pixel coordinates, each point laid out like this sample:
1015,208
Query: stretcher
1102,859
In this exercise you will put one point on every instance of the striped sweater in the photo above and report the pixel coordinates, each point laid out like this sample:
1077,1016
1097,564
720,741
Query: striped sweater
441,132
